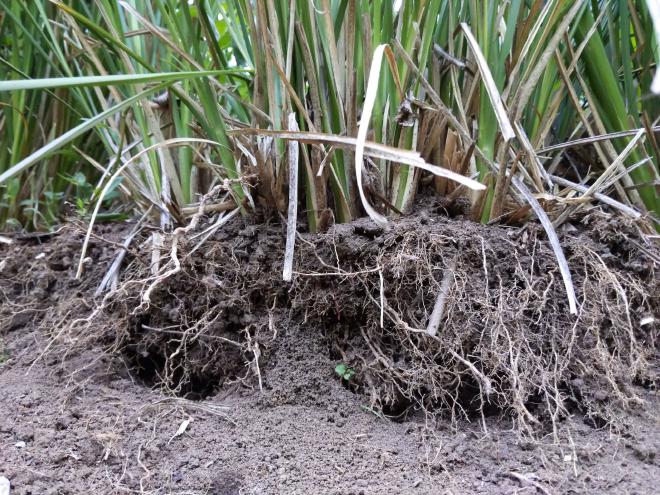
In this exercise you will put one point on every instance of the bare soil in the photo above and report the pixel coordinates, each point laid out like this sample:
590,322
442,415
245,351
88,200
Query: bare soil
106,405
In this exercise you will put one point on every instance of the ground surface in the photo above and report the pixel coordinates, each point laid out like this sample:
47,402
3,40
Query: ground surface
83,422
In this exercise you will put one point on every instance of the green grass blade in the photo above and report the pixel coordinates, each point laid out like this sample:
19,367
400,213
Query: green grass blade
72,134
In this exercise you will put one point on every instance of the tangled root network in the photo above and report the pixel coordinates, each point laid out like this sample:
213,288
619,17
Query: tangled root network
442,315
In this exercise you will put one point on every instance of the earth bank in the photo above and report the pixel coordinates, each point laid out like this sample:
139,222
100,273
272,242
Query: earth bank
95,404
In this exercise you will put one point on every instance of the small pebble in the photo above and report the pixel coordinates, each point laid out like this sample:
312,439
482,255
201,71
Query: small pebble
5,486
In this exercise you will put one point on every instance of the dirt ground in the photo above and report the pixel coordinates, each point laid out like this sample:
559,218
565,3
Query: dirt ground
76,419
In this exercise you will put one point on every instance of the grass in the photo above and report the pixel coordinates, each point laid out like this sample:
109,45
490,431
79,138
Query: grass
475,88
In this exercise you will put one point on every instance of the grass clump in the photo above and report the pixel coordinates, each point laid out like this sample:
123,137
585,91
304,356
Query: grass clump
482,89
194,112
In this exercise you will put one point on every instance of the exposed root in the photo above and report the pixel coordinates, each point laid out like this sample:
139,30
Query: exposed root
507,341
501,336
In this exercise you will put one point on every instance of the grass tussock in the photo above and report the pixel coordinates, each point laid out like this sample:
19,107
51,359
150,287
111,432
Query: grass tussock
92,95
197,116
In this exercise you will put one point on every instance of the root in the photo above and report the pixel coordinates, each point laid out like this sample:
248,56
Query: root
499,334
449,318
176,236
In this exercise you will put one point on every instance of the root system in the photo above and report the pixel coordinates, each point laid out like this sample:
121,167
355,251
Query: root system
432,314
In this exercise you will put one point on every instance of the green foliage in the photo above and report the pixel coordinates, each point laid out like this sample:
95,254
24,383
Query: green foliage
85,193
344,372
90,87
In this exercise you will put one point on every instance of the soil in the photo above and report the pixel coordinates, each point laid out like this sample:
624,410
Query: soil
98,405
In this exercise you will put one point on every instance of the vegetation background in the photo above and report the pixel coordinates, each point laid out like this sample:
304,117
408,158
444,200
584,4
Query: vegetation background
122,106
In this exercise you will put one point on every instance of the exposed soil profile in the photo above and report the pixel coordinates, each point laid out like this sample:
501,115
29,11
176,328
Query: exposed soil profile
225,379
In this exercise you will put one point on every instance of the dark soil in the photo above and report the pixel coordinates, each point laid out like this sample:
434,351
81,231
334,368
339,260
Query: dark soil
93,405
